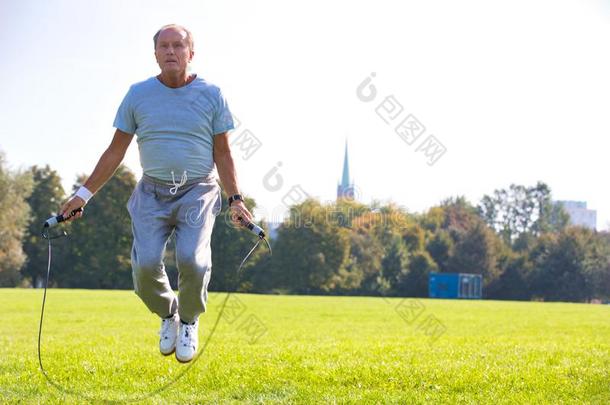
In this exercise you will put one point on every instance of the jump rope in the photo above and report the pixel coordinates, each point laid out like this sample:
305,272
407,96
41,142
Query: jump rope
56,220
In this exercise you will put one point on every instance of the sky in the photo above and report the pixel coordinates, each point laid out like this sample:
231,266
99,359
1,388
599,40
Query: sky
503,92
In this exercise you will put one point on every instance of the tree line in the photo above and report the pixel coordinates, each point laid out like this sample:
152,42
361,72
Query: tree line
516,238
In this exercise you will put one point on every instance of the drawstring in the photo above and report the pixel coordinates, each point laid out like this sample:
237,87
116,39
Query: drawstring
176,186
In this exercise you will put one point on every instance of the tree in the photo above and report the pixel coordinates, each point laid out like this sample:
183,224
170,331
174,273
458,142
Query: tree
414,282
311,253
551,217
520,209
345,210
476,251
394,263
598,267
44,202
363,269
433,219
15,187
475,246
414,237
570,266
99,247
441,248
229,246
391,234
512,283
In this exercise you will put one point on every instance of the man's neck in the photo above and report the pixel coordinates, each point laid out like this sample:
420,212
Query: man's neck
175,80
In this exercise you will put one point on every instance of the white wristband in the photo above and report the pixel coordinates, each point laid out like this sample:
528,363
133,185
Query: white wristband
84,193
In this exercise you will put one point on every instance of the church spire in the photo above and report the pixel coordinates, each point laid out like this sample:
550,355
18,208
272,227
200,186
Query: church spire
345,189
345,178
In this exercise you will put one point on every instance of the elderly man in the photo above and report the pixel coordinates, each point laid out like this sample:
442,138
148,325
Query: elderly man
181,122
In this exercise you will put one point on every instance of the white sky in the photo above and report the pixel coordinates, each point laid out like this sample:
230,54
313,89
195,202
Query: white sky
517,91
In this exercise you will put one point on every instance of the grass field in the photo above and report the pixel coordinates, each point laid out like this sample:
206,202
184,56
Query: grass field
102,345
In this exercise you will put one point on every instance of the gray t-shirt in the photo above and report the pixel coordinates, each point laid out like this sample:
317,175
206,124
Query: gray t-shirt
174,127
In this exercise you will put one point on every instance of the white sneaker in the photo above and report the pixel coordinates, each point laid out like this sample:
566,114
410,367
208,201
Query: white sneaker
188,339
168,334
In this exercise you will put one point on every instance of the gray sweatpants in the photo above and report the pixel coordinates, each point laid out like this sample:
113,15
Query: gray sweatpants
190,213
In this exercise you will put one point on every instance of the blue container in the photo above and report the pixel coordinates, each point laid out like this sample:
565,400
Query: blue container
455,285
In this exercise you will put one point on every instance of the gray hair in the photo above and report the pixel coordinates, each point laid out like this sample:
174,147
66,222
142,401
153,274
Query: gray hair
189,35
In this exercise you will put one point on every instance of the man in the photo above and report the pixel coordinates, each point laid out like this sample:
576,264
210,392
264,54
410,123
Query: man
182,125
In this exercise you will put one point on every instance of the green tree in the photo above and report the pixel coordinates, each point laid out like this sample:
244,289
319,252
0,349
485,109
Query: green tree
570,266
414,237
99,247
311,252
344,211
476,251
512,283
394,263
519,209
598,267
433,219
229,246
476,247
551,217
441,247
390,234
414,282
363,270
15,187
44,202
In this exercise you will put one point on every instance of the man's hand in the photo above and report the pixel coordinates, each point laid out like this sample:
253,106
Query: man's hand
238,209
72,204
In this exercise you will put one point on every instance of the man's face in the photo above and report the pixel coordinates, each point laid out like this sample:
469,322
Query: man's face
172,52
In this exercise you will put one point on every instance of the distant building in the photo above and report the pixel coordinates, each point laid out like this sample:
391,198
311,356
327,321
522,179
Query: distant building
579,214
345,189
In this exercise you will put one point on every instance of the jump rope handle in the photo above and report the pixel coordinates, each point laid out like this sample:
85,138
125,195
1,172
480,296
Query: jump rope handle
53,221
255,229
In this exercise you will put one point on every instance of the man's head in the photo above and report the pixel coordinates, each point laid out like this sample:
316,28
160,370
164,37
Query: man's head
174,48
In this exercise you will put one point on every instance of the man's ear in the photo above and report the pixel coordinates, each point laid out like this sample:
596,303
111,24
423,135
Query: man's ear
192,55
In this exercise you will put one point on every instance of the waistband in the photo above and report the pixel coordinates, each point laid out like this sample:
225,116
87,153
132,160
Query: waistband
153,180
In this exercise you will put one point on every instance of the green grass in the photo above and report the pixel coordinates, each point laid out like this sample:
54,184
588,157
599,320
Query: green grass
103,346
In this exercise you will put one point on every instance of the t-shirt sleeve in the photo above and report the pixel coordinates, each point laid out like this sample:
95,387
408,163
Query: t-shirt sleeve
125,117
223,119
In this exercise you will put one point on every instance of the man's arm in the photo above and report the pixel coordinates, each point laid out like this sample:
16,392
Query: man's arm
228,175
105,168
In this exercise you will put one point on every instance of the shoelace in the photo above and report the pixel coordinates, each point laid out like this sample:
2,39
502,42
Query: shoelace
188,335
166,326
176,186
